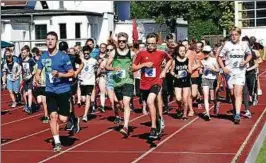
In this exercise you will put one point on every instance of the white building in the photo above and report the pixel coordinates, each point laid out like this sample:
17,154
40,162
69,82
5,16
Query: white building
146,26
74,21
251,17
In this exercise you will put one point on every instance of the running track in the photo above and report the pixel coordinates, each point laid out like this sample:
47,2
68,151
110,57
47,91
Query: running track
25,139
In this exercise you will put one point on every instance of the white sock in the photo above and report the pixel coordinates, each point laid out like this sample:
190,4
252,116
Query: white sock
56,139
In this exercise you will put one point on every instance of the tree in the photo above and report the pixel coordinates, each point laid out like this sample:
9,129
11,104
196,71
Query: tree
217,14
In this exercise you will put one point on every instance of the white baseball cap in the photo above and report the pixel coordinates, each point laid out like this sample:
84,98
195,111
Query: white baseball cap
207,48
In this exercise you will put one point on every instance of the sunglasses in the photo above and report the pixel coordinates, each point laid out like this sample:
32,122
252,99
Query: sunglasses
123,41
109,50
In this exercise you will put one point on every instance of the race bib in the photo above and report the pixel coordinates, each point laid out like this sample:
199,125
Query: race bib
51,78
182,74
150,72
121,74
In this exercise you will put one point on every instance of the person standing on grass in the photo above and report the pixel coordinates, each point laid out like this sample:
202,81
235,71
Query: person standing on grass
235,68
27,77
58,69
152,74
120,61
11,77
209,76
39,90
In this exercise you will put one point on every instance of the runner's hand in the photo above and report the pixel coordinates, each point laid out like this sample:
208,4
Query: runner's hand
226,70
55,73
242,64
147,64
163,74
117,69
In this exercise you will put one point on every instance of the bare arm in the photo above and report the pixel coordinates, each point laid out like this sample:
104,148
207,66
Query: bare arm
70,73
172,69
79,69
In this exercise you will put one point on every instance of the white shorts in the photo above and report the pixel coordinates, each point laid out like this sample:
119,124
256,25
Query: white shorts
235,79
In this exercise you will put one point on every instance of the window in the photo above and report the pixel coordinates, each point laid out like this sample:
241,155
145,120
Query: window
40,31
62,30
94,31
77,30
252,14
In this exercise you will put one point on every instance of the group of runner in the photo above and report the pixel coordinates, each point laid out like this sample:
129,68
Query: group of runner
185,71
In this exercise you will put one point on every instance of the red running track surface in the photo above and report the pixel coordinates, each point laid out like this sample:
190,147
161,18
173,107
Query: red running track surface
25,139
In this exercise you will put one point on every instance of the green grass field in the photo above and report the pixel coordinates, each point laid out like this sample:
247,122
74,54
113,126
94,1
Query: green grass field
262,155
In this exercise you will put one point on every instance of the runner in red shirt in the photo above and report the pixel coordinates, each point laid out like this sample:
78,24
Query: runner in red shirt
152,74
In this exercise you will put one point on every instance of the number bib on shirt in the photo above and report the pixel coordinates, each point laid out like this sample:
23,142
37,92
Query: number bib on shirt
150,72
182,74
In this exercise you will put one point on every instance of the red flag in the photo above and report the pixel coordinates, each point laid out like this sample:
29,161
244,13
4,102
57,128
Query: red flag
135,35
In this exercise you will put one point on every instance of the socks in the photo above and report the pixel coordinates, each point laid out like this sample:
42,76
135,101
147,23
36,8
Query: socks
56,139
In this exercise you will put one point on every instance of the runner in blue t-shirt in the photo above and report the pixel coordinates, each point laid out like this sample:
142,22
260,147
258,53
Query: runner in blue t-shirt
58,69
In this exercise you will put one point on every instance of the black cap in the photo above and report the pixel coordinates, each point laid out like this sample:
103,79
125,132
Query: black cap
63,46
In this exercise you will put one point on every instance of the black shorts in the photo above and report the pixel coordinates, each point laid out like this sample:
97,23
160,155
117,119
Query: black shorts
145,93
125,90
86,90
59,103
28,84
74,87
195,81
39,91
181,84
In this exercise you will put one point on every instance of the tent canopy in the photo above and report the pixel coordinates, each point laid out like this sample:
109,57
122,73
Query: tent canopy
5,44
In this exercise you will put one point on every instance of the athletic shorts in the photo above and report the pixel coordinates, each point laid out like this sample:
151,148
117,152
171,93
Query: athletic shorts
86,90
195,81
145,93
39,91
208,82
180,84
124,90
13,85
235,79
28,84
59,103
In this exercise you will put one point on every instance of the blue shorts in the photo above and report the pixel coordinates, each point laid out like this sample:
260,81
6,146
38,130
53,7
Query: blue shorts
13,85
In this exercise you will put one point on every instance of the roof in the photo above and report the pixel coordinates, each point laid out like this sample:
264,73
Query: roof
179,21
14,3
29,12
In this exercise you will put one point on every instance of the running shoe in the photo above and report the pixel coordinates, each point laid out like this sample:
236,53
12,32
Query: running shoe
101,108
153,134
144,112
29,110
117,120
76,128
85,118
70,125
259,92
14,104
124,131
166,110
57,147
179,113
191,113
237,119
25,107
247,114
45,119
162,124
92,109
207,117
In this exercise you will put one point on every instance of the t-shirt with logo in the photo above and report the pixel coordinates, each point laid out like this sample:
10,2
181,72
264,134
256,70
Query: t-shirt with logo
181,70
27,68
42,81
151,76
87,74
234,54
207,64
59,62
12,71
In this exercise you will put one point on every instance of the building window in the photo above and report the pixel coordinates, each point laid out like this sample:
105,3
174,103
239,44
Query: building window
63,31
40,31
94,31
77,30
252,14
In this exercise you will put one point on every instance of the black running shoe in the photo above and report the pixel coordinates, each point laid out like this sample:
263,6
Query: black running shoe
153,134
76,128
166,110
57,147
237,119
117,120
101,108
69,126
